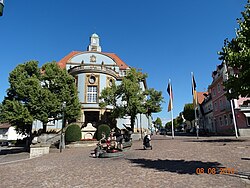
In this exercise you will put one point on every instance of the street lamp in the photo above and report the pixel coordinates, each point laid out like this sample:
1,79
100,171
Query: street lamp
62,142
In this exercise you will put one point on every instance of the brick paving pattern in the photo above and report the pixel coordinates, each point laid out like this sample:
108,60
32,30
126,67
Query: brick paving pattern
171,163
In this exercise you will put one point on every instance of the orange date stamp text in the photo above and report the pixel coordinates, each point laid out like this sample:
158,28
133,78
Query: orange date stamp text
214,170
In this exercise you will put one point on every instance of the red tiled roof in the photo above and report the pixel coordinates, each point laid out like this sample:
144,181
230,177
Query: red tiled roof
119,62
63,61
200,96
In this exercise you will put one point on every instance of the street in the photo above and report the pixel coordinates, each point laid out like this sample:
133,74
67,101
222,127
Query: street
180,162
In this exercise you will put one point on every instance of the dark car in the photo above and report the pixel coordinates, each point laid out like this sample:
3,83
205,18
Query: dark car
163,131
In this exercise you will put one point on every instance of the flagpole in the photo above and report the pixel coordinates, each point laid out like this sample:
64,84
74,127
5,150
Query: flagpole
195,106
172,117
231,104
172,114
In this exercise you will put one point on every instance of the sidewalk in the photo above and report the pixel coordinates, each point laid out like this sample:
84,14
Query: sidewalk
12,154
176,163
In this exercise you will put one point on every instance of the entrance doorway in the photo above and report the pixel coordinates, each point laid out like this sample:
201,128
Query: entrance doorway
91,117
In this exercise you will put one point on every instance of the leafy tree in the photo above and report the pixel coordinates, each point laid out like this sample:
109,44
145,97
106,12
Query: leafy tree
188,112
153,102
60,87
177,122
38,95
129,99
236,54
17,114
24,86
168,125
158,122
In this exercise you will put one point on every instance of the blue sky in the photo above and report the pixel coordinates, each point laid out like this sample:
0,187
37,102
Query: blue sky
168,39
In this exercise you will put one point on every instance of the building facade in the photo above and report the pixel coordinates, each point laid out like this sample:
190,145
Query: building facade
222,110
93,71
206,112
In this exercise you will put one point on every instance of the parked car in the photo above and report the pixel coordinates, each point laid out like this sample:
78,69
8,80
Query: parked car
163,131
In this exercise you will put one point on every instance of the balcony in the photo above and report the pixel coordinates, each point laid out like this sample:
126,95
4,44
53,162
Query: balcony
88,68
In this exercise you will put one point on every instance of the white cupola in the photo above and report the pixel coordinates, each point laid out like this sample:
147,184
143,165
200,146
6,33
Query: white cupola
94,43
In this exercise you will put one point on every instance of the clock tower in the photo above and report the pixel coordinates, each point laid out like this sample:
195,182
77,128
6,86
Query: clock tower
94,43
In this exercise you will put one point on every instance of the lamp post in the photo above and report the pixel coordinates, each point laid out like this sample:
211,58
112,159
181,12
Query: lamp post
62,143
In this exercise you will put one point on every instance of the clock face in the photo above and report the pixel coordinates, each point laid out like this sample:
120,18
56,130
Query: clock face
91,79
110,82
93,41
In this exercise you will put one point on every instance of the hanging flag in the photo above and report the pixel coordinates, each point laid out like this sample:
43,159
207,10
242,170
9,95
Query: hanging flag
194,93
169,90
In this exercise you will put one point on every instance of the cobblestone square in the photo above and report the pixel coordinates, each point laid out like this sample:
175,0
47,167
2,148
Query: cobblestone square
219,162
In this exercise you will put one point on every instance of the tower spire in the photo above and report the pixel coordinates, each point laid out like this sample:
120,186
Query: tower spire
94,43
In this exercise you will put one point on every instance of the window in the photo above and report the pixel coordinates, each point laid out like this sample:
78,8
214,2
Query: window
218,87
221,105
225,120
221,122
92,94
214,92
230,118
215,106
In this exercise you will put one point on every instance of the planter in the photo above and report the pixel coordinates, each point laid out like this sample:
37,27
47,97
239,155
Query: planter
110,155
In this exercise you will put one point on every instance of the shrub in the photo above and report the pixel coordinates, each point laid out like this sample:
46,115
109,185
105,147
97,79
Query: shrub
73,133
103,128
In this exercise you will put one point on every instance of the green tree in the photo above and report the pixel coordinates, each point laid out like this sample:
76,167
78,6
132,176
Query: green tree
188,112
38,95
178,121
24,86
158,122
236,54
168,125
17,114
129,99
153,102
60,87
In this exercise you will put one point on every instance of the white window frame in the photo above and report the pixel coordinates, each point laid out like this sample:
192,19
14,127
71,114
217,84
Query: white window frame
92,94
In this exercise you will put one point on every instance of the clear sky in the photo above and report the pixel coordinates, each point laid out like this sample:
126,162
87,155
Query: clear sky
167,39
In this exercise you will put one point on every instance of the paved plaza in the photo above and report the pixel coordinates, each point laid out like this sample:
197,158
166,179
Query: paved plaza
219,162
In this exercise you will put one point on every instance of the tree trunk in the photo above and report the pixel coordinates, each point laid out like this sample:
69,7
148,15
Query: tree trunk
132,122
149,126
44,127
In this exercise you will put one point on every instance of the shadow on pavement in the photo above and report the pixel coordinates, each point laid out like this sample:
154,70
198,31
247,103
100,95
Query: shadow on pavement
6,151
217,140
245,158
176,166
